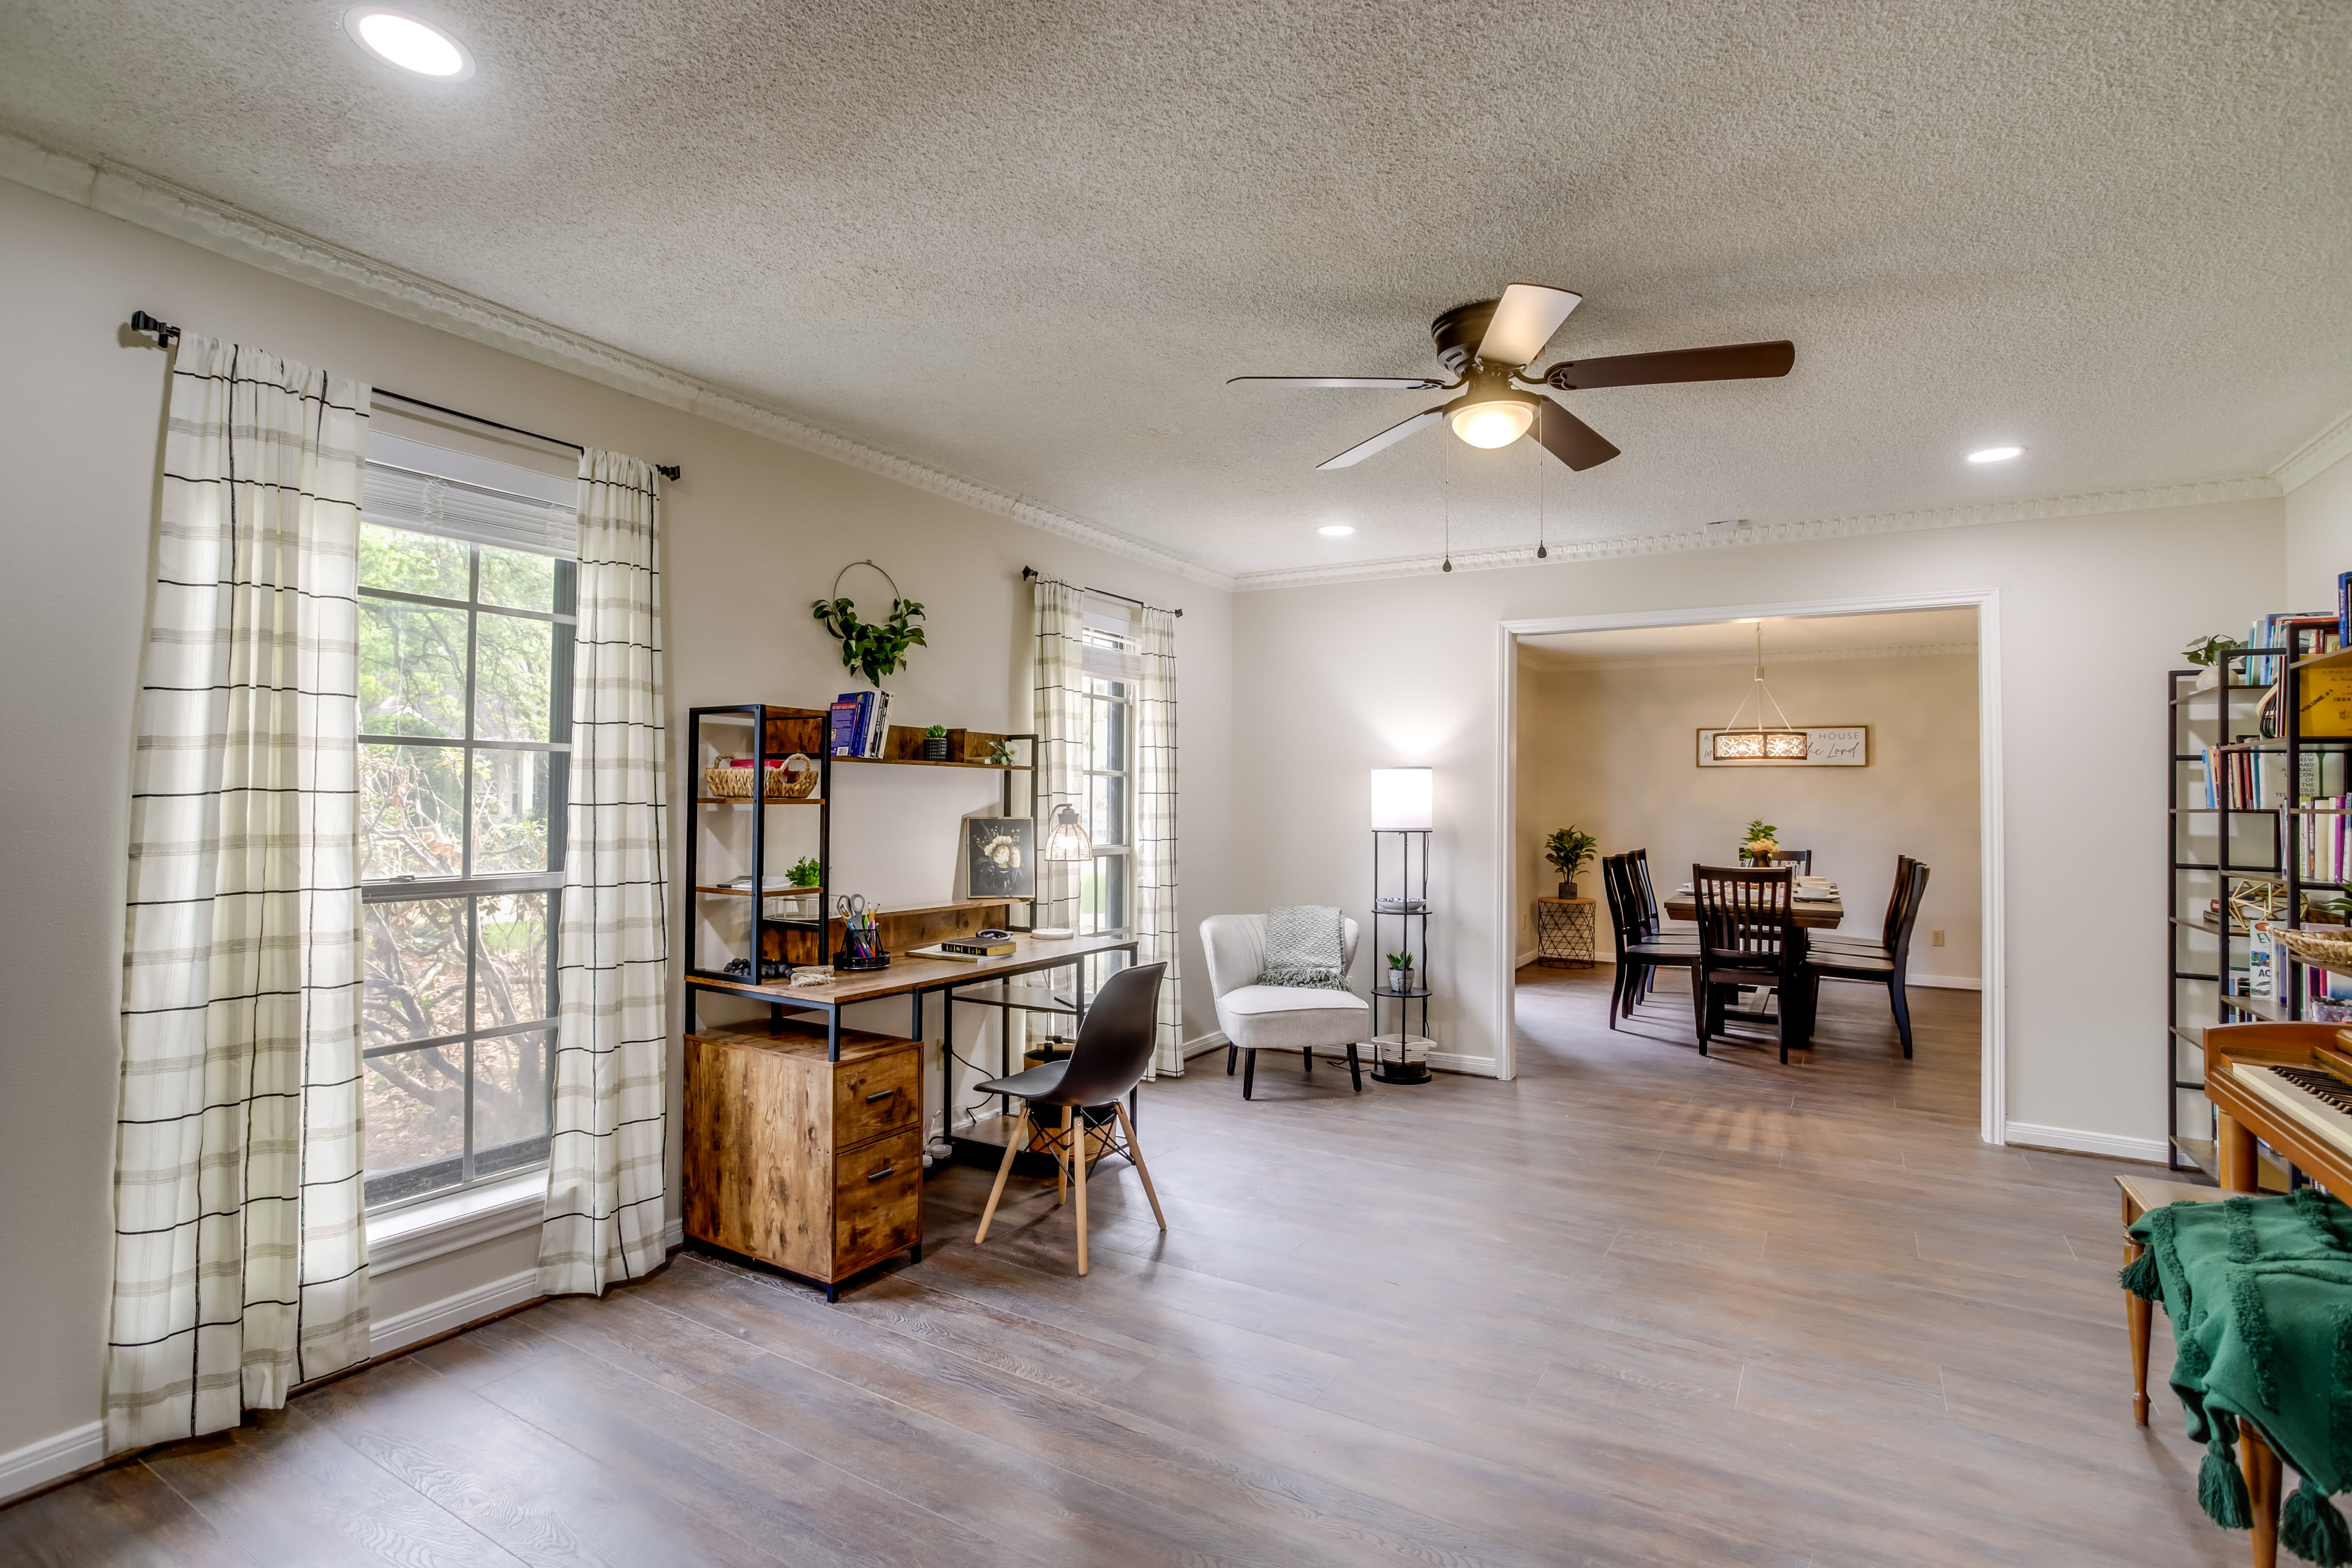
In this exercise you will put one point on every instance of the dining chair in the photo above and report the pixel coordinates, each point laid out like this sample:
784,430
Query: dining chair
1654,928
1638,957
1879,943
1106,1060
1891,971
1747,936
1802,859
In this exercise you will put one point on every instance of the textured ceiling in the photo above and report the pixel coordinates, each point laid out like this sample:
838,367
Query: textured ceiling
1027,243
1785,638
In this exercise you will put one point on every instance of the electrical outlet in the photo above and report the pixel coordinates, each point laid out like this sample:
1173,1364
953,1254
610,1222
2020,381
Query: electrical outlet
1936,938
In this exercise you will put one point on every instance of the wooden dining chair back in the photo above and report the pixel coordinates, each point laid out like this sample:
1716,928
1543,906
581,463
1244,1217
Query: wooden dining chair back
1802,859
1889,966
1108,1058
1639,861
1747,936
1640,953
1879,943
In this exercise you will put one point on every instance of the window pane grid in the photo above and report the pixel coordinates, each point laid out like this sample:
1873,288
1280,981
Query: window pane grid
462,856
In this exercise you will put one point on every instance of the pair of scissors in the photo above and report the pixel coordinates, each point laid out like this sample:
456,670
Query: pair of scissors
852,905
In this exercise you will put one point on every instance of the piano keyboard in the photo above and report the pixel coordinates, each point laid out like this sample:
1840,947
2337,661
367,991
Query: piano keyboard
2315,1098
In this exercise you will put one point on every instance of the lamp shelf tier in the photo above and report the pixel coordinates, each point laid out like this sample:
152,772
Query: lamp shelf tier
1380,991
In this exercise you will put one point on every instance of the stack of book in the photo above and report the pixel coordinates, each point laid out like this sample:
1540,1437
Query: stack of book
2251,780
2327,849
860,722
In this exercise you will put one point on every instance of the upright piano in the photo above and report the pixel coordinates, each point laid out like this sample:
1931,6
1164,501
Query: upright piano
2289,1085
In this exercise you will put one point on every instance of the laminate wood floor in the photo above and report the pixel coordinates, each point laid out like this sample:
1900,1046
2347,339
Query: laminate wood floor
1636,1306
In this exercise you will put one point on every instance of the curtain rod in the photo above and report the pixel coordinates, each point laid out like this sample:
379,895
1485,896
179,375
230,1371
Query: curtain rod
166,335
1031,573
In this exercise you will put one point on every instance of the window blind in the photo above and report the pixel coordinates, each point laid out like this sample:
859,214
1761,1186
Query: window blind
456,495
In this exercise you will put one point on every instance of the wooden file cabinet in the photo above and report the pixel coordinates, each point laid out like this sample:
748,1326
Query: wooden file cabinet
811,1165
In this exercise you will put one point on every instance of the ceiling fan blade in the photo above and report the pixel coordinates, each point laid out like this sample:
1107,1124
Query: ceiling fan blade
1731,361
1405,383
1570,439
1524,320
1387,437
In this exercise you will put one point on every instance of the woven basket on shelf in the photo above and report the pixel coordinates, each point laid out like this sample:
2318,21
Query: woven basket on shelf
786,781
2327,947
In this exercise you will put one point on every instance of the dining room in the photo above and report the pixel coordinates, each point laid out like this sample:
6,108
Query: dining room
1789,805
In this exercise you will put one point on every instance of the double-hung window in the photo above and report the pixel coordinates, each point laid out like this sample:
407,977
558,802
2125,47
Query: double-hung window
1106,884
465,626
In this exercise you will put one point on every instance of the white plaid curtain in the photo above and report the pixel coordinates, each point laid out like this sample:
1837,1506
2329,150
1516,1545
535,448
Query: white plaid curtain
240,1265
1155,826
606,1176
1060,715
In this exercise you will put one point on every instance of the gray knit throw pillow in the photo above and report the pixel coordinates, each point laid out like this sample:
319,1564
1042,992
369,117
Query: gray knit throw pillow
1303,948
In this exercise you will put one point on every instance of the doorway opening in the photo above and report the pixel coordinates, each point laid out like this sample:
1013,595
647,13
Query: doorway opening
1889,749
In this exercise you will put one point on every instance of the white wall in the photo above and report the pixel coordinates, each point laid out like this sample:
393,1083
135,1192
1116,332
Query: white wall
2318,538
755,531
1612,748
2091,611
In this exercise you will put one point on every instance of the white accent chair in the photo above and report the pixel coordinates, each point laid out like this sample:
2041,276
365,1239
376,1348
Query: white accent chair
1278,1017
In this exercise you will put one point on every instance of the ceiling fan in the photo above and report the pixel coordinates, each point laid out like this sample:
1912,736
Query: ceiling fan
1485,346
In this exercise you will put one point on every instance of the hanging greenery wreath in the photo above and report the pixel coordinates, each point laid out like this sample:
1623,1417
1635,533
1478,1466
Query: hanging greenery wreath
873,650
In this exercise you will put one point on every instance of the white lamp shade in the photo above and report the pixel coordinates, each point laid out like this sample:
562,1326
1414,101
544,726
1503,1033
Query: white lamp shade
1401,800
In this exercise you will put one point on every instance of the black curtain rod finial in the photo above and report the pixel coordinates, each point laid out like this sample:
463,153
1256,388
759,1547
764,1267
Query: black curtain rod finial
164,333
668,470
1031,574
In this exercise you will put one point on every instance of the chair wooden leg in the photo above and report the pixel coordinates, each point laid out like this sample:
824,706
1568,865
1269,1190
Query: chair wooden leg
2139,1317
1135,1152
1078,1176
1900,1001
1310,1054
1020,1136
1355,1068
2261,1464
1061,1172
1232,1053
1618,992
1249,1074
1700,1002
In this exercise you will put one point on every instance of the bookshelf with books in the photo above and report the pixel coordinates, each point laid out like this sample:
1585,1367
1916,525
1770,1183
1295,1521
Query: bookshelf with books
2259,837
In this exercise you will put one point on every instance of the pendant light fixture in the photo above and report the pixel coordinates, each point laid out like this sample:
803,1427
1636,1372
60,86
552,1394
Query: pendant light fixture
1760,741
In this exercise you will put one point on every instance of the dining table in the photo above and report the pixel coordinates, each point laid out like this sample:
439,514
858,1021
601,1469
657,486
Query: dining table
1811,914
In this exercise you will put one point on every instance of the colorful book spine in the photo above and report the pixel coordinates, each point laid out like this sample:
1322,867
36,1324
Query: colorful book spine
843,739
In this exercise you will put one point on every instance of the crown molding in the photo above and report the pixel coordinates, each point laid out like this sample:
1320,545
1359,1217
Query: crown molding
2147,498
1561,660
152,203
2316,455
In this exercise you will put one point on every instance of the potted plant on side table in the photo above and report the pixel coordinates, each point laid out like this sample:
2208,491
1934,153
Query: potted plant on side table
1568,849
1400,972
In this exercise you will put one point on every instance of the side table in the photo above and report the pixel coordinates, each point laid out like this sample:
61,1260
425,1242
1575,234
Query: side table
1564,931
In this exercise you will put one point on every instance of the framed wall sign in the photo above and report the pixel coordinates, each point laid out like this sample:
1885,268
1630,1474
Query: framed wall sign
1001,857
1826,746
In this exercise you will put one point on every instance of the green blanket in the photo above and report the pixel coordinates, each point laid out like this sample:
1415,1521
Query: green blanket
2260,1294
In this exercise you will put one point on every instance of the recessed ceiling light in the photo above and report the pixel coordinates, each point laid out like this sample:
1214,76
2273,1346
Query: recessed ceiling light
1335,531
1995,454
411,45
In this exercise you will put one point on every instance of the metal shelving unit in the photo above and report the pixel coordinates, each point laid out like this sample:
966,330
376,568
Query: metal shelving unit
2233,707
1394,1059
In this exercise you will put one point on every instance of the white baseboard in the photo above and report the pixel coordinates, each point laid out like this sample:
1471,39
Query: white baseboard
2072,1140
38,1464
1524,958
1944,982
1202,1045
1449,1061
404,1329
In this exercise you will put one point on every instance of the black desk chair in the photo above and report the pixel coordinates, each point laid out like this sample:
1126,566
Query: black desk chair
1890,968
1747,936
1108,1058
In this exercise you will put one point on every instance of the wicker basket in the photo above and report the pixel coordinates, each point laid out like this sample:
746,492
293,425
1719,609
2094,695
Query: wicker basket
793,779
2329,948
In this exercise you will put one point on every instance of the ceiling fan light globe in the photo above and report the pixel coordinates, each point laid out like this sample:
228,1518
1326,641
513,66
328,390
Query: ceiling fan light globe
1496,424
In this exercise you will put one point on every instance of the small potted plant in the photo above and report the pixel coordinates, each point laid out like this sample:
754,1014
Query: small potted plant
805,873
1761,843
2206,653
935,743
1400,972
1568,849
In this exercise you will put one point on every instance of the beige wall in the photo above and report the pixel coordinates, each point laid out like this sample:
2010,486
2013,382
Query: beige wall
2318,538
2091,611
1612,748
755,531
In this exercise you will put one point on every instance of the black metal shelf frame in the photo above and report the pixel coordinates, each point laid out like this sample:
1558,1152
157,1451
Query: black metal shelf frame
2286,824
1413,939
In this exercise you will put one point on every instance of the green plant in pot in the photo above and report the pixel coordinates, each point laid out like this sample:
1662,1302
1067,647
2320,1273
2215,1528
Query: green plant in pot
2206,654
1762,842
871,650
1568,849
1400,972
935,743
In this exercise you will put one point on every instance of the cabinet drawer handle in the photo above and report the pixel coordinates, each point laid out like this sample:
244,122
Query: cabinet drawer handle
883,1095
885,1171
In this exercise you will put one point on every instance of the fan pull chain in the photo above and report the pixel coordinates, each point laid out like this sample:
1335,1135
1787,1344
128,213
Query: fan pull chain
1540,551
1445,491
